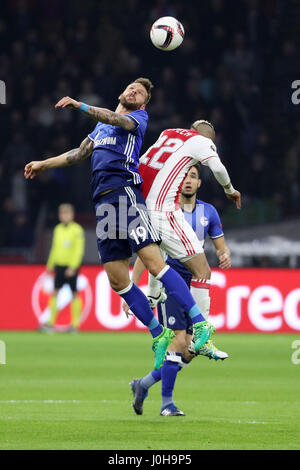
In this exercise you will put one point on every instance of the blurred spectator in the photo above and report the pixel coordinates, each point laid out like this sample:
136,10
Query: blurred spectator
18,190
21,235
239,59
7,215
88,94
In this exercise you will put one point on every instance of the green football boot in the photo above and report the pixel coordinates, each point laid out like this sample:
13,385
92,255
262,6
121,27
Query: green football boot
160,346
202,331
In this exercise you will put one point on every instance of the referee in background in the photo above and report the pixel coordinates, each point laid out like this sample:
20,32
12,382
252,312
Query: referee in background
65,259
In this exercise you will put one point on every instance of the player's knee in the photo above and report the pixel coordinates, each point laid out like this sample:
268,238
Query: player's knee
154,267
179,342
153,270
118,286
118,283
152,259
202,273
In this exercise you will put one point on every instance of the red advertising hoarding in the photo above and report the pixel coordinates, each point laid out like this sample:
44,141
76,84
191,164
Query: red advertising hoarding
247,300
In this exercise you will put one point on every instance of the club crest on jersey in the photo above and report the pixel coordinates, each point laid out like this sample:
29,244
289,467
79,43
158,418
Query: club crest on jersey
204,221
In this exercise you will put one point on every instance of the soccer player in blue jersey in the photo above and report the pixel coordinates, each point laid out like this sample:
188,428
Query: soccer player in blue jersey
123,225
205,220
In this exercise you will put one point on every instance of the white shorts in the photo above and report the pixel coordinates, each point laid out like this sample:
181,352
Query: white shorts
178,238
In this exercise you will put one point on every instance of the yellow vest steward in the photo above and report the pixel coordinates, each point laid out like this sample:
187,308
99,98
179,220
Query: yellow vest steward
67,246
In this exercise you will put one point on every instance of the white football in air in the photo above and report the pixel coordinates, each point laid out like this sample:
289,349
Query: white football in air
167,33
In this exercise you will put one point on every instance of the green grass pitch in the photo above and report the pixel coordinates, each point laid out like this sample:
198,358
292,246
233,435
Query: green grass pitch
68,391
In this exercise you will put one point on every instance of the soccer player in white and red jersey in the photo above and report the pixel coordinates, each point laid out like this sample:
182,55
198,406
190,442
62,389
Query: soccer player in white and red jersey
163,169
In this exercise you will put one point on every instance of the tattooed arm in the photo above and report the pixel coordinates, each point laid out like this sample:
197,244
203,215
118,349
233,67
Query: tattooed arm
110,117
65,159
100,114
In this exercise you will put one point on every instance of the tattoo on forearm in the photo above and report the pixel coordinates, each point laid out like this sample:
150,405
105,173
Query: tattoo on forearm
71,156
79,154
109,117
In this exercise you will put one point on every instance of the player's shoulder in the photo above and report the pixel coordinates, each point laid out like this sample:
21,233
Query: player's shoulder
100,125
208,208
76,227
139,114
140,118
204,141
58,227
185,134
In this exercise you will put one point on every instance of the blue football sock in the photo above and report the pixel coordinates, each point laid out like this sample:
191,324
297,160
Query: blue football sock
150,379
168,378
155,327
139,305
156,374
177,287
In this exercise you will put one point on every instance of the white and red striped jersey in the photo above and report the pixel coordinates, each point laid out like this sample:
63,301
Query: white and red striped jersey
164,166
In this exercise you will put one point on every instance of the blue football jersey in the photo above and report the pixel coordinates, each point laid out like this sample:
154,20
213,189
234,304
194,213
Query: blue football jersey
116,152
204,220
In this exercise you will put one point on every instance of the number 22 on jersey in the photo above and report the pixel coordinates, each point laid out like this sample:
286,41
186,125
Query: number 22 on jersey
160,152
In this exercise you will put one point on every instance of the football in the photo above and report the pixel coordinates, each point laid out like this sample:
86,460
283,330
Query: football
167,33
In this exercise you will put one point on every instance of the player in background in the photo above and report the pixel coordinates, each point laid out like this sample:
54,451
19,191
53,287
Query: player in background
65,259
205,220
114,146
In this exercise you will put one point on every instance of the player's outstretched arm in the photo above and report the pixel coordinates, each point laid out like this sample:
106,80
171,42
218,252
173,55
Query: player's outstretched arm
32,169
100,114
221,175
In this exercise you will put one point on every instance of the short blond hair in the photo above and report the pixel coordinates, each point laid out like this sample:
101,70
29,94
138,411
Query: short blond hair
204,128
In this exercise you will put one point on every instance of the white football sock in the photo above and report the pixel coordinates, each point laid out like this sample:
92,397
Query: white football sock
200,292
153,286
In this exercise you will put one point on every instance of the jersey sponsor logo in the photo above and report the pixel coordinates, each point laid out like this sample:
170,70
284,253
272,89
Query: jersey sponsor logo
41,294
106,141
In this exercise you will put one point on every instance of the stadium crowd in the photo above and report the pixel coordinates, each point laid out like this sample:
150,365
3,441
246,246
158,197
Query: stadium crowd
234,68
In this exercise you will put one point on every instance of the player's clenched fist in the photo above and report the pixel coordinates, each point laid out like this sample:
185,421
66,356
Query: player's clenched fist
67,102
32,169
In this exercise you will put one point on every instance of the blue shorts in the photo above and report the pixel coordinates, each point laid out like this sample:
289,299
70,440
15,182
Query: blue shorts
123,224
172,315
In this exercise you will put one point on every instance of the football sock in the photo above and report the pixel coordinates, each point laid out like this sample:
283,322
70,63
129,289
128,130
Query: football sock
168,378
76,307
139,305
53,309
150,379
155,375
200,292
153,286
177,287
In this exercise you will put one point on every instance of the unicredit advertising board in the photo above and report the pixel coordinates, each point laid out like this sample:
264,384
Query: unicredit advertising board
249,300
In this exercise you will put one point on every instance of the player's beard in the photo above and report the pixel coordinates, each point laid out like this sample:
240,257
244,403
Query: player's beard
128,104
188,195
